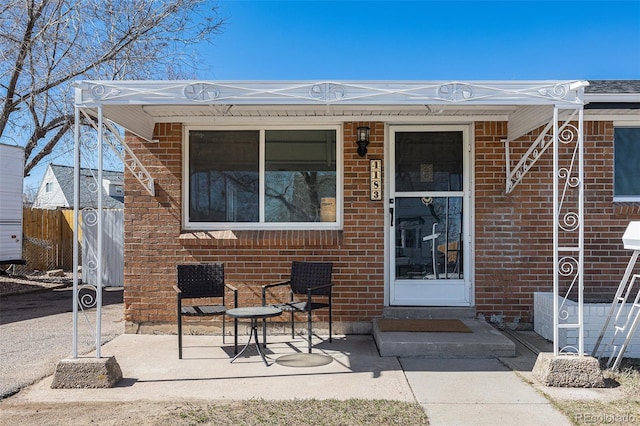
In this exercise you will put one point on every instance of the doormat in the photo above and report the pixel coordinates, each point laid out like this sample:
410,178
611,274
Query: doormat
424,325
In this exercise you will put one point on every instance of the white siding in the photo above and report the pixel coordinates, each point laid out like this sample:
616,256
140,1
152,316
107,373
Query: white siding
53,198
595,315
112,251
11,173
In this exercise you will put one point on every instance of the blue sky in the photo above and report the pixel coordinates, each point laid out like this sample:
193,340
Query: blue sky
418,40
425,40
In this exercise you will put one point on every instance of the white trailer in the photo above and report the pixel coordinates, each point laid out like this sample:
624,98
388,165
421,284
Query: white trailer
11,178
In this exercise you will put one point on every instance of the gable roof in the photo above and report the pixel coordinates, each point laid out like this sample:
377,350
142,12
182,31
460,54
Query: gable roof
88,181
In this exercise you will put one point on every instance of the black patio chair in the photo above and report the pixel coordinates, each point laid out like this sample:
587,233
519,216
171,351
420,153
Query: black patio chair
312,280
199,281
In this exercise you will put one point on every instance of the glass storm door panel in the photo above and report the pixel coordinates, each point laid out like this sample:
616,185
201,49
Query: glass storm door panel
429,226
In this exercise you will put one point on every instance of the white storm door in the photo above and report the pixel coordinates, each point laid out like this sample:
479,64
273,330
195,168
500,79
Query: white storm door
429,201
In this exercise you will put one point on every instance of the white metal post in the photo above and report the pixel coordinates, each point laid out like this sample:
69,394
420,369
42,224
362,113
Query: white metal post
556,219
507,157
568,217
580,149
99,237
76,231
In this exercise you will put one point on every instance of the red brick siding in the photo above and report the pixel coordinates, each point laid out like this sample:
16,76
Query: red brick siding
155,244
513,233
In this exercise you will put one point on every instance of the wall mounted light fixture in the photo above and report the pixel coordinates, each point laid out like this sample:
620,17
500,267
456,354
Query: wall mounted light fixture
362,139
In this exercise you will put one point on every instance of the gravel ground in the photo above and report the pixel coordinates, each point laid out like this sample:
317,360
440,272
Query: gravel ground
17,284
36,323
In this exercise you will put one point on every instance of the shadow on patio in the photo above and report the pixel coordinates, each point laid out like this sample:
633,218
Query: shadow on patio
152,371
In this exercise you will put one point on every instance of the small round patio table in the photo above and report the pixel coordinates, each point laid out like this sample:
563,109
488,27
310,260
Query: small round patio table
254,313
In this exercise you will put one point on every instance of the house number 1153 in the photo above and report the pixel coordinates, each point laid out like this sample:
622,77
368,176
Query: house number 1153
376,179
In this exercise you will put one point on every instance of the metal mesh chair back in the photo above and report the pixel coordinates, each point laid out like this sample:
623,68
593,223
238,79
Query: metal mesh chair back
204,280
310,274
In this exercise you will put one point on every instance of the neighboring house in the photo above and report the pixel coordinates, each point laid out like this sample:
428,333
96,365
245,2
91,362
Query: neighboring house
451,204
56,192
57,186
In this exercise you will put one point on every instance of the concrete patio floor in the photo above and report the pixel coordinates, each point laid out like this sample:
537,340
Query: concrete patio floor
451,391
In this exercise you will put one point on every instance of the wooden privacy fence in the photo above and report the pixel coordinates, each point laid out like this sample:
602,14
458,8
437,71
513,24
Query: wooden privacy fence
48,239
48,243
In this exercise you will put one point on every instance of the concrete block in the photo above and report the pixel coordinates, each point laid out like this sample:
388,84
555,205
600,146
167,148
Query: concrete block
86,373
569,371
484,341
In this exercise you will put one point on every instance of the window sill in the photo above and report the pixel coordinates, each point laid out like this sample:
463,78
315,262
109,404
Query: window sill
627,209
208,235
263,238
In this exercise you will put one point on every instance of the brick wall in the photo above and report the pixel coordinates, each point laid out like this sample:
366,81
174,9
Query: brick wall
605,221
155,243
513,233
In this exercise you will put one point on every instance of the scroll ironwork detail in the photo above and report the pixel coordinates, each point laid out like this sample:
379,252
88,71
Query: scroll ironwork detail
455,92
201,92
327,92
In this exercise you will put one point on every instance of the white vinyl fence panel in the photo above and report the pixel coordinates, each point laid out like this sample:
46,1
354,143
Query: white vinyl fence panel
112,250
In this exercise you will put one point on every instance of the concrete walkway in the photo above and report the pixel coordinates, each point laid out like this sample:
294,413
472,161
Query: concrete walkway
476,392
452,391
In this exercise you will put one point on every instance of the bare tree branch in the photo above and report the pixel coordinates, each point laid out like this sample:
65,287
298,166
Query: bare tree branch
51,143
18,67
45,45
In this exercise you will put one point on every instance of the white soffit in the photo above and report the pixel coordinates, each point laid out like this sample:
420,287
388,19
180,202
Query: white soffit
132,118
182,113
612,97
527,118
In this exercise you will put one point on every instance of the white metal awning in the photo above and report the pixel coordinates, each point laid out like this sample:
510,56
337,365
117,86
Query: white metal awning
138,105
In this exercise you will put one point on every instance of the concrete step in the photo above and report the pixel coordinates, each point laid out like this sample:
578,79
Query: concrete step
408,312
484,341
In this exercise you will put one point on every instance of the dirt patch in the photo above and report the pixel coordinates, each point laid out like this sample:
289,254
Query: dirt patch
103,413
16,284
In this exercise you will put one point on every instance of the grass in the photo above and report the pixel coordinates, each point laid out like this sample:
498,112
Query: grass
624,411
304,412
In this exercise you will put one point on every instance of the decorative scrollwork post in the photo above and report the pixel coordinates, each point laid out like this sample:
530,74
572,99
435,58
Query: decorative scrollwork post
86,296
568,231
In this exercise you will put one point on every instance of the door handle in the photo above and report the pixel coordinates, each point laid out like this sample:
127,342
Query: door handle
391,213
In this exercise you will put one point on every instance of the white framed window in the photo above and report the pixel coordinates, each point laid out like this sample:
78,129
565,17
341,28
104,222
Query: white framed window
48,187
263,178
626,156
